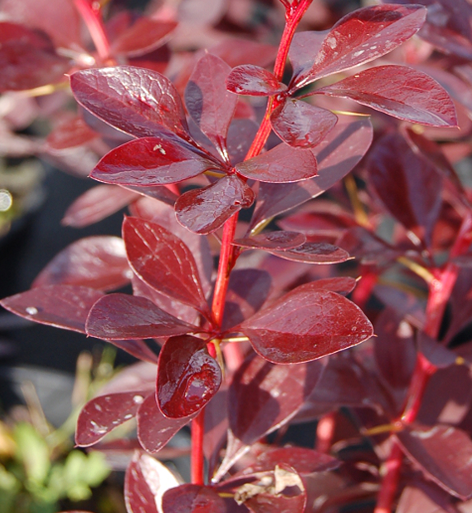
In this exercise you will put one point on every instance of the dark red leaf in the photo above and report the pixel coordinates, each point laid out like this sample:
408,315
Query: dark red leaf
424,497
121,316
96,204
300,124
146,481
137,101
145,35
360,37
70,133
191,498
253,81
155,430
305,325
272,241
205,210
163,261
150,161
304,47
136,348
337,154
314,253
187,376
398,91
97,262
62,306
103,414
211,106
341,284
444,454
216,428
282,164
237,51
241,133
138,377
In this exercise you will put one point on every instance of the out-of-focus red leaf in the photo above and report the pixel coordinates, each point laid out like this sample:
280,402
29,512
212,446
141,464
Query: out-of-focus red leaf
444,454
142,37
150,161
97,262
398,91
300,124
62,306
244,51
121,316
305,325
216,427
360,37
405,303
191,498
211,106
155,430
146,481
422,497
241,133
205,210
70,133
137,101
337,154
340,284
138,377
136,348
314,253
253,81
305,45
163,261
435,352
187,376
397,173
96,204
282,164
272,241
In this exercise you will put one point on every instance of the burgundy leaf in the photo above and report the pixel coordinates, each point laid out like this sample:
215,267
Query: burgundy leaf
337,154
300,124
62,306
237,51
282,164
305,325
305,45
205,210
138,377
254,81
360,37
272,241
341,284
187,376
97,262
424,497
216,428
70,133
96,204
241,133
137,101
314,253
150,161
397,173
155,430
398,91
211,106
142,37
192,498
136,348
163,261
103,414
146,481
444,453
121,316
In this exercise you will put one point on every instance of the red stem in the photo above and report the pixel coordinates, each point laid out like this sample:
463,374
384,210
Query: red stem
94,22
196,454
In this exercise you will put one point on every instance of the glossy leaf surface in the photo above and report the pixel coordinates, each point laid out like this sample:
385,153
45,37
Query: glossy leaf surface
191,498
272,241
314,253
163,261
205,210
187,376
253,81
398,91
150,161
305,325
121,316
137,101
300,124
282,164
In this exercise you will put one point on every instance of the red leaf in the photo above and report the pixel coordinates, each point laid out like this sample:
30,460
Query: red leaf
314,253
155,430
211,106
191,498
121,316
272,241
241,133
97,262
305,325
142,37
424,497
205,210
341,285
146,481
300,124
62,306
398,91
136,348
444,453
70,133
337,154
305,45
187,376
163,261
253,81
137,101
360,37
282,164
150,161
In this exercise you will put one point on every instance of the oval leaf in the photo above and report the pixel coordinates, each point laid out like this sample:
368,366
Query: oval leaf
187,376
314,253
191,498
253,81
272,241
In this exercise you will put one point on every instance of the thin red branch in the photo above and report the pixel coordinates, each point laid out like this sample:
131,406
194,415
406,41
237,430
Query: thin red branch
196,454
94,23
